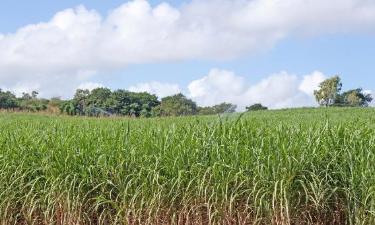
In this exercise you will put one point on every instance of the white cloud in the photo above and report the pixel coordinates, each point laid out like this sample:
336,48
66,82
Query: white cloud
159,89
279,90
19,89
219,85
52,54
89,86
311,82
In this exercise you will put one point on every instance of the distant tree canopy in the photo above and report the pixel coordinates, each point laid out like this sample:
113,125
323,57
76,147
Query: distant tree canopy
31,102
105,102
256,107
329,91
356,97
102,102
217,109
8,100
176,105
28,102
329,94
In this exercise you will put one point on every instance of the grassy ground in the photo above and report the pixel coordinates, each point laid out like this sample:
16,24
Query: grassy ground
306,166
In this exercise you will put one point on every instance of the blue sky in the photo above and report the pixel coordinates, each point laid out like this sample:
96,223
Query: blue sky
349,56
17,13
347,51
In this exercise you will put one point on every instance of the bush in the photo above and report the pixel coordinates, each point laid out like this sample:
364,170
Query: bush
256,107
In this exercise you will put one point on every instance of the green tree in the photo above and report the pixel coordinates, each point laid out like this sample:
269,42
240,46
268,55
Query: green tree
34,105
133,104
68,107
31,102
356,97
177,105
329,91
99,97
80,101
156,111
103,102
256,107
121,99
145,102
8,100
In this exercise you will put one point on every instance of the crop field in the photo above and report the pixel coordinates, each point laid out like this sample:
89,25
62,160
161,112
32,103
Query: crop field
303,166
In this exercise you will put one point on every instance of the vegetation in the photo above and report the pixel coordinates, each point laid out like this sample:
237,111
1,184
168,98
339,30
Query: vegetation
356,98
329,94
329,91
217,109
7,100
313,166
98,102
105,102
256,107
102,101
177,105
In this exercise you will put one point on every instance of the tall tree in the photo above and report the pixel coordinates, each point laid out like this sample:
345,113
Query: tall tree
329,91
8,100
133,104
356,97
79,101
121,99
34,94
177,105
99,96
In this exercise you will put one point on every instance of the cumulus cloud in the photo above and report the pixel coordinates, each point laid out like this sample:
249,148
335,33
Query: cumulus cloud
89,86
79,39
159,89
19,89
311,82
219,85
278,90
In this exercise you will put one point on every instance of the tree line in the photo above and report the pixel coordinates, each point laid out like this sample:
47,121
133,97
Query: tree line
330,94
105,102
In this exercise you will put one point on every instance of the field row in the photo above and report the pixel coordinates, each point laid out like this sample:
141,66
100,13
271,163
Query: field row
312,166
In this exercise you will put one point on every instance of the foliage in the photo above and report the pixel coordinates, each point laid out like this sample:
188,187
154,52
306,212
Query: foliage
217,109
256,107
8,100
79,102
329,91
31,102
54,105
313,166
329,94
104,102
357,98
69,107
177,105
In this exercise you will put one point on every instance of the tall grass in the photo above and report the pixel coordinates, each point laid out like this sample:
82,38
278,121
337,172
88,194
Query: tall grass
314,166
